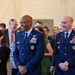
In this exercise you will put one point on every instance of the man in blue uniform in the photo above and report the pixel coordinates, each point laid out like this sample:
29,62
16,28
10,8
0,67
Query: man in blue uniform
65,48
29,49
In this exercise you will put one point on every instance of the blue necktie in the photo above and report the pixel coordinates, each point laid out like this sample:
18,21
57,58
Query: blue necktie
66,38
25,37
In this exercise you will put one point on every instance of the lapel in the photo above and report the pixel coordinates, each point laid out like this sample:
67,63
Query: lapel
22,37
27,40
62,38
70,37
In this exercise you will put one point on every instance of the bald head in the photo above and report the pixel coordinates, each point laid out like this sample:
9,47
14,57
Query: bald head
27,18
66,23
69,18
26,22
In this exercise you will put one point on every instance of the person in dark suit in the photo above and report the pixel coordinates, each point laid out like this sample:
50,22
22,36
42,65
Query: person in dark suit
10,34
29,49
65,48
4,54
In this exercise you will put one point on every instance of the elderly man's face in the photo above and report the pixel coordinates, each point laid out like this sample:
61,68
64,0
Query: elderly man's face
13,25
66,23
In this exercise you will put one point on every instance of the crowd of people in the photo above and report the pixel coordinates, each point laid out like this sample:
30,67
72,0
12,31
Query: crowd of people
33,51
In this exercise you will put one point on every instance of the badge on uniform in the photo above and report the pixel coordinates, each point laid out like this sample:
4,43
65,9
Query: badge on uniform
73,40
73,47
34,39
32,47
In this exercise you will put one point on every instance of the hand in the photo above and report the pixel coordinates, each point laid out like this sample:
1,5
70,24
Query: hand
25,70
51,70
22,69
63,66
66,68
66,63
